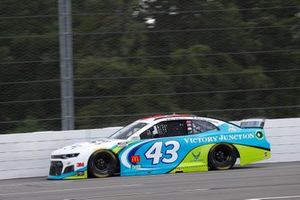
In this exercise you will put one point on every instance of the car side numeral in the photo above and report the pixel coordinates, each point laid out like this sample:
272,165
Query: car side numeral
172,152
155,152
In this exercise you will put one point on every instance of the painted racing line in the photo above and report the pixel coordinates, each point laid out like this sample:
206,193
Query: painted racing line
281,197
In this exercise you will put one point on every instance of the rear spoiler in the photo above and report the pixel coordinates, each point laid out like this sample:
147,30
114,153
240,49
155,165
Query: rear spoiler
252,123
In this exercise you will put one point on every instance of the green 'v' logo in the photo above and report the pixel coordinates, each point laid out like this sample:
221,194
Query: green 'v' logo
196,156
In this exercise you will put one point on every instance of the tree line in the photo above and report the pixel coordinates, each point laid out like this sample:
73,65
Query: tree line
227,59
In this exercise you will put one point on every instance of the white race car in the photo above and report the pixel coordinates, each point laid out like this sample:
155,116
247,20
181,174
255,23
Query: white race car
163,144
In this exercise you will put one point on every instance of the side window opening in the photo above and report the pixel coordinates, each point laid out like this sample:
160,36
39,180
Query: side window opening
149,133
166,129
200,126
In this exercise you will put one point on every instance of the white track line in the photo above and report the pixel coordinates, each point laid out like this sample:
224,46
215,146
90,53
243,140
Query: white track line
197,189
270,198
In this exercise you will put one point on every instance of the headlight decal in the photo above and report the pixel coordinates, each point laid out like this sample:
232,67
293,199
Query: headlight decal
65,156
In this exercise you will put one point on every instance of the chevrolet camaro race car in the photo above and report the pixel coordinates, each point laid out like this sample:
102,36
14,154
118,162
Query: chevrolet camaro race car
164,144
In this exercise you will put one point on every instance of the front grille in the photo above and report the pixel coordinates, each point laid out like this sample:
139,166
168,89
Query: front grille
56,168
69,169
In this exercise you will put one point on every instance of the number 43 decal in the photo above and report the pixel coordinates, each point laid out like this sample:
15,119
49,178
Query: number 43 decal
155,153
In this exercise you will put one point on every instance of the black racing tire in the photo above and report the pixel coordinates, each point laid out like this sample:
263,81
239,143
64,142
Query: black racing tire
222,157
102,163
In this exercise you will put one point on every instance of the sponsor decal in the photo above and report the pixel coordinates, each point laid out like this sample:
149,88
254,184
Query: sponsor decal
126,155
196,156
135,166
122,144
259,135
201,140
219,138
80,164
80,173
135,159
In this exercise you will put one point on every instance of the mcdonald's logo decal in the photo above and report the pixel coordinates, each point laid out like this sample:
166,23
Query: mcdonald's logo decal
135,159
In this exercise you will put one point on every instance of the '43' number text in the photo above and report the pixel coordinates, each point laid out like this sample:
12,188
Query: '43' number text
155,152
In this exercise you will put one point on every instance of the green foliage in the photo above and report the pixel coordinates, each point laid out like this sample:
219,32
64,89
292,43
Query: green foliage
205,57
30,124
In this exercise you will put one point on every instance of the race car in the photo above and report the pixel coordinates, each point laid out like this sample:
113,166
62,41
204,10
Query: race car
164,144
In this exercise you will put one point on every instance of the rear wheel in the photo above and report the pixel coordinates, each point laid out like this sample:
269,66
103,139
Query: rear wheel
102,163
222,156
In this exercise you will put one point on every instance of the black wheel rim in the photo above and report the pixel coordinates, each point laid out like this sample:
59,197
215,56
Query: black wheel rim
222,156
102,163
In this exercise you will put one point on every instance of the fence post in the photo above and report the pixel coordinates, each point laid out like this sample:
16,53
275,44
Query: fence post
66,64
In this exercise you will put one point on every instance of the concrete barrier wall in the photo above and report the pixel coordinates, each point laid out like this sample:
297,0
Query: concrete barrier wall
284,136
28,155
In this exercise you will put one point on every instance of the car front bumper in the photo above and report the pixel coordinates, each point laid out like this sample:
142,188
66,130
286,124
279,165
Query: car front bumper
63,169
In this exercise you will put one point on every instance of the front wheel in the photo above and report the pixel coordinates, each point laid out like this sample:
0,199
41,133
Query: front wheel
221,157
102,163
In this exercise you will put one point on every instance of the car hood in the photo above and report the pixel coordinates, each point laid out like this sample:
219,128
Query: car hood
85,146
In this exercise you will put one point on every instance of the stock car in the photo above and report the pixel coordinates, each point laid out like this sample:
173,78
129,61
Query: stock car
164,144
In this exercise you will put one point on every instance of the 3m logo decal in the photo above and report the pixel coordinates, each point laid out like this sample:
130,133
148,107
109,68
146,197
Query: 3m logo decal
80,164
135,159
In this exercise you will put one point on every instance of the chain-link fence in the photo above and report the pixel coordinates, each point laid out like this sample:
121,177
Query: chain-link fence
225,59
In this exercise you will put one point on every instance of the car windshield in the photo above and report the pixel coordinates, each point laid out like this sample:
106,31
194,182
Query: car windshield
128,130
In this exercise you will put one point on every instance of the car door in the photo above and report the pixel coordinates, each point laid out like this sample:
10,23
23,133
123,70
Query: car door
159,151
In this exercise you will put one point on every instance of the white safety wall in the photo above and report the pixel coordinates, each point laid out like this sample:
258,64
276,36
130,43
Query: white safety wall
284,136
28,155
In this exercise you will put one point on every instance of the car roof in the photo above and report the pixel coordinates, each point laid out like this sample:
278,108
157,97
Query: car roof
163,117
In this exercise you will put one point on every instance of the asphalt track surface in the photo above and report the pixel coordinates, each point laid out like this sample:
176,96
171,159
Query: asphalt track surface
259,182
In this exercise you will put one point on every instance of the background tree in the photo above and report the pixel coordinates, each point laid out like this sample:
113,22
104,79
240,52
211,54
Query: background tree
229,59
